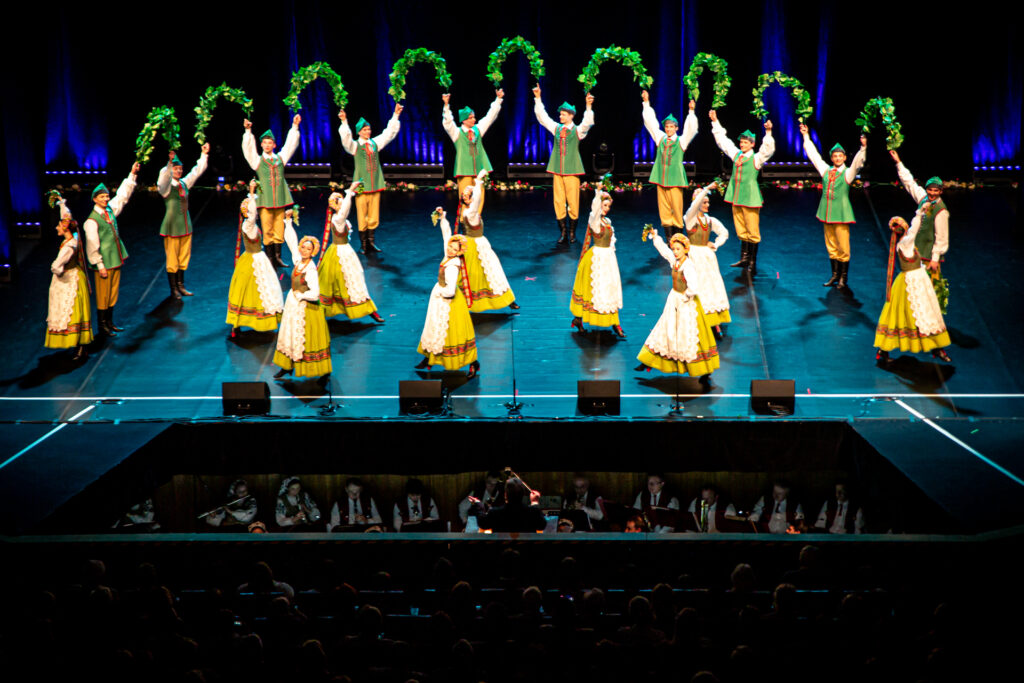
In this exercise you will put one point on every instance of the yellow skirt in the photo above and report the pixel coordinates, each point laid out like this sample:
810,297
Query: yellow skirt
316,357
483,298
334,294
719,318
79,329
706,361
460,342
581,303
897,328
245,307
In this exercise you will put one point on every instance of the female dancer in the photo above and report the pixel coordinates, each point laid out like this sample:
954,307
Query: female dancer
254,297
68,318
682,341
342,283
709,285
487,280
448,338
597,292
303,343
911,319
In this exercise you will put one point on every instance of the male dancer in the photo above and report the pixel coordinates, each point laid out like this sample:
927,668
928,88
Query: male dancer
274,197
470,155
668,174
176,228
932,239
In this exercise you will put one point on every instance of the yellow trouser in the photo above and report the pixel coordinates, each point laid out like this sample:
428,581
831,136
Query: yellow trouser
748,223
178,251
272,222
837,241
107,289
467,181
566,190
670,206
368,210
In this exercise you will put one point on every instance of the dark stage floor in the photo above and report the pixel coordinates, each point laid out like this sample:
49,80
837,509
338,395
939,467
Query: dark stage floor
964,418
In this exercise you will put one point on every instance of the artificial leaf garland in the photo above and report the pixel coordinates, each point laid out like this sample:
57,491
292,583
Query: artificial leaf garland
401,69
622,55
800,94
883,108
159,120
507,47
306,75
208,102
53,198
719,67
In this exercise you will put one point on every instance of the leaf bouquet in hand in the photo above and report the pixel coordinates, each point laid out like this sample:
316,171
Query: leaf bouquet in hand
435,217
648,232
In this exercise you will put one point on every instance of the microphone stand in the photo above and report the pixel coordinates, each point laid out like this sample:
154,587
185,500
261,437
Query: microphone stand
677,403
514,406
331,406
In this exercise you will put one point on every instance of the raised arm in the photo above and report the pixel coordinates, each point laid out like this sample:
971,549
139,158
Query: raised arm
473,212
542,115
588,118
249,151
907,178
448,121
200,167
812,153
727,146
390,132
292,240
594,220
492,114
291,141
767,149
124,192
651,123
341,215
249,224
163,179
690,217
689,128
345,133
858,161
663,249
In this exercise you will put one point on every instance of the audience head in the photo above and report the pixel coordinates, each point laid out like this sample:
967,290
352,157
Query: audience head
780,490
743,579
709,493
655,482
354,487
415,489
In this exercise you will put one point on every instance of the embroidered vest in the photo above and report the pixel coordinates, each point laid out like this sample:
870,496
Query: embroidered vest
678,280
176,219
605,238
299,281
274,192
769,511
112,249
701,232
907,265
664,498
668,168
424,505
339,237
252,246
850,523
565,155
368,167
470,157
471,230
743,189
365,507
835,206
925,240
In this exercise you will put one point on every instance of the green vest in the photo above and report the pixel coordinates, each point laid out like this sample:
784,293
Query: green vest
112,249
565,155
470,157
274,193
835,206
743,189
668,168
925,239
368,167
176,220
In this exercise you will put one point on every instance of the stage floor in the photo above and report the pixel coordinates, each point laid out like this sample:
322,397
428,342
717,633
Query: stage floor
170,362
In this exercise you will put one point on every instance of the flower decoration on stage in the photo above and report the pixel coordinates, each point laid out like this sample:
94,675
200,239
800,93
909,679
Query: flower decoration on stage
53,198
648,232
622,55
435,216
306,75
159,120
507,47
882,107
208,102
718,67
800,94
411,56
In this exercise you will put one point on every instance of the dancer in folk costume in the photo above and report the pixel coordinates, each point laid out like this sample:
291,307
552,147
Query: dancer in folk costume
470,155
69,313
254,296
743,192
668,174
834,210
487,282
911,320
275,198
105,250
932,240
709,286
366,152
597,291
342,282
176,228
448,338
303,342
565,165
681,342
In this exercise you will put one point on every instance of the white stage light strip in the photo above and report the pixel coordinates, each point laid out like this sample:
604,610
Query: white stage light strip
44,437
960,443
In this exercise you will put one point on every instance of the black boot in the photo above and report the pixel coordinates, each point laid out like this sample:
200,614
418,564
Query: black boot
110,320
80,353
563,237
104,319
572,230
371,246
362,241
172,280
744,255
752,257
423,364
181,284
835,273
280,259
474,368
842,267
